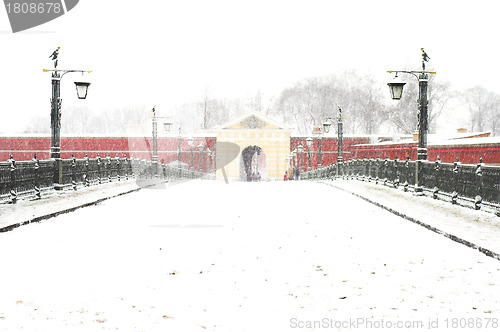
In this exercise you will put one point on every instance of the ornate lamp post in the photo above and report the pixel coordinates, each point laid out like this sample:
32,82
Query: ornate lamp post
295,162
55,113
340,133
319,151
340,136
326,127
179,153
201,147
309,144
214,165
155,141
287,163
167,126
190,141
396,89
300,150
208,152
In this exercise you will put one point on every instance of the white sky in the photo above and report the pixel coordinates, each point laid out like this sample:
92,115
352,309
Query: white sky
146,53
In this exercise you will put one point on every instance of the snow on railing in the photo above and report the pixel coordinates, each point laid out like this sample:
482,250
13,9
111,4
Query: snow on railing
475,184
32,179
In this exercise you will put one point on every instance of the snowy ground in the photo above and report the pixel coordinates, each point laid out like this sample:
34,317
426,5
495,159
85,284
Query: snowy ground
206,256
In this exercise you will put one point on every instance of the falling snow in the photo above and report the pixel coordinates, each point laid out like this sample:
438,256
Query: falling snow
269,256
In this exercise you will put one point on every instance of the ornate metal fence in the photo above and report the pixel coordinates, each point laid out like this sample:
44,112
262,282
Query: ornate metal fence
478,184
33,179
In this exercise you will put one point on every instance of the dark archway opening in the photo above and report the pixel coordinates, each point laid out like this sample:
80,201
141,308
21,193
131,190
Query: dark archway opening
250,156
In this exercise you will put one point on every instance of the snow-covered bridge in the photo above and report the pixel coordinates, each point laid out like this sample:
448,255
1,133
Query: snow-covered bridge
269,256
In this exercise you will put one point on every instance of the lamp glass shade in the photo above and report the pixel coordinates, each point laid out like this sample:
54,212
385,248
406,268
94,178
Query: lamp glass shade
309,142
396,88
326,126
300,148
201,147
167,126
190,141
82,89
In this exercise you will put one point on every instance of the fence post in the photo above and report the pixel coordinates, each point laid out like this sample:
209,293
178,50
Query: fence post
13,194
456,175
99,169
86,173
36,170
386,164
109,167
370,169
118,167
125,169
73,171
407,170
479,179
396,166
437,168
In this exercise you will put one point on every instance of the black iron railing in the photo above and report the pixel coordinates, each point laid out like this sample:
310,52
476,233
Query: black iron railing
33,179
478,184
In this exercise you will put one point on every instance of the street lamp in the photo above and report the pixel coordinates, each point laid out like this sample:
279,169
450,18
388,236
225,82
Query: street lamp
340,133
167,126
309,144
190,141
179,153
326,125
214,165
208,152
82,89
300,150
154,159
396,89
154,119
55,114
294,161
201,147
319,151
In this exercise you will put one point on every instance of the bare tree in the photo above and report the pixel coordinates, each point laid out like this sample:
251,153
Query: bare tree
311,100
483,106
38,125
440,95
404,114
494,114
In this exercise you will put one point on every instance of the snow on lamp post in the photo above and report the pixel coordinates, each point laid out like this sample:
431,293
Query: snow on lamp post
201,147
154,159
214,165
326,125
396,89
55,114
319,151
340,139
300,149
294,159
166,125
309,144
208,152
190,142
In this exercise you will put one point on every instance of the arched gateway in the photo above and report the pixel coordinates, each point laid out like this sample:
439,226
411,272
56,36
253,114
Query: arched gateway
264,145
